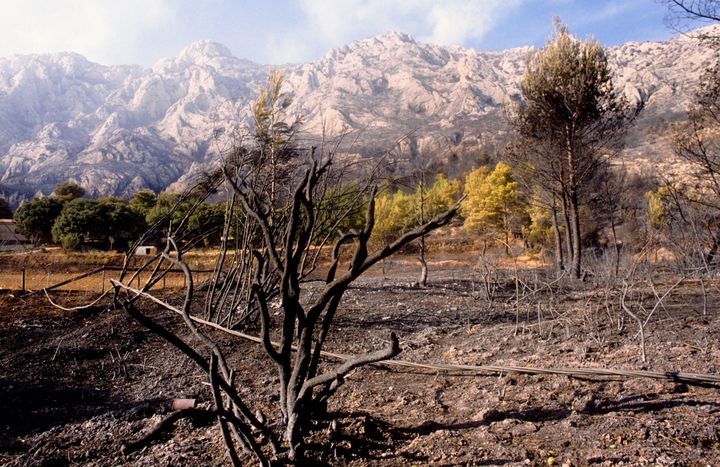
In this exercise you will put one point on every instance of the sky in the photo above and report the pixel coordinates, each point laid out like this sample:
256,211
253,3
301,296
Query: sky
284,31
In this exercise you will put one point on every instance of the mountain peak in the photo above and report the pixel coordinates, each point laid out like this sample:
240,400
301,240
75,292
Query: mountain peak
204,49
395,37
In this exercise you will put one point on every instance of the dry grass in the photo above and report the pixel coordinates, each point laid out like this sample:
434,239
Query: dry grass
50,266
39,279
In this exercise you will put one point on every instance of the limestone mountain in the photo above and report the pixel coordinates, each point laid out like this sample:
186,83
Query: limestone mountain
117,129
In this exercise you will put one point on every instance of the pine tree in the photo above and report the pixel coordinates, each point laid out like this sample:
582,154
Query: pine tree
568,122
494,204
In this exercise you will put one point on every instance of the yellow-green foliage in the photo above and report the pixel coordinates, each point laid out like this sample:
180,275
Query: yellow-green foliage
656,209
396,213
493,199
441,196
540,229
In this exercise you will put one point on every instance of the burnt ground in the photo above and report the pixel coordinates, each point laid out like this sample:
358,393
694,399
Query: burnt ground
75,386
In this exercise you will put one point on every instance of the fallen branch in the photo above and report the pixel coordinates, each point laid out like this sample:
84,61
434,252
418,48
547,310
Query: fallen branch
675,376
166,424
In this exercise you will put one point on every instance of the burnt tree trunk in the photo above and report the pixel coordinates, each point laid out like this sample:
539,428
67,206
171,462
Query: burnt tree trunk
559,260
422,281
574,204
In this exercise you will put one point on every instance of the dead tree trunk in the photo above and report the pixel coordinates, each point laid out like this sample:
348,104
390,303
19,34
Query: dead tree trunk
568,227
559,260
422,281
300,322
278,248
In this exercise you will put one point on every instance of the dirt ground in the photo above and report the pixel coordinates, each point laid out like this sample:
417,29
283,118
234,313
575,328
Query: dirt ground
75,386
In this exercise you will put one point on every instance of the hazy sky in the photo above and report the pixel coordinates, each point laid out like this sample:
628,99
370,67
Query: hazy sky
280,31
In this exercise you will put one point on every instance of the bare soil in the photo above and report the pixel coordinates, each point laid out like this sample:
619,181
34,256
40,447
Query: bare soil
75,386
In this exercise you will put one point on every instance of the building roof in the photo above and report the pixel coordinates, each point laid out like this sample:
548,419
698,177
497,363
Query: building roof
8,233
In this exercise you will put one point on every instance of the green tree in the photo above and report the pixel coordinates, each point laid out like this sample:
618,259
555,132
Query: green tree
429,202
569,120
399,212
395,214
171,208
68,191
80,221
442,195
123,224
207,220
494,203
35,218
108,223
143,201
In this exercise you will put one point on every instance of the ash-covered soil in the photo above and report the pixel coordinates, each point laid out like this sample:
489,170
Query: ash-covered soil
75,386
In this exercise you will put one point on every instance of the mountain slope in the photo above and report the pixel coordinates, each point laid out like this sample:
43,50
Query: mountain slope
119,129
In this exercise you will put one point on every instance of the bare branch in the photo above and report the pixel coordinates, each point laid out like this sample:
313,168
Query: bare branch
339,374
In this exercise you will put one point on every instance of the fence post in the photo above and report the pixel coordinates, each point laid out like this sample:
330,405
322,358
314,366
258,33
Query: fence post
102,282
23,279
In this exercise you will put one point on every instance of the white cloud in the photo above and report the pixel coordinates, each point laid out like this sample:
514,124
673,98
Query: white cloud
108,31
458,21
330,23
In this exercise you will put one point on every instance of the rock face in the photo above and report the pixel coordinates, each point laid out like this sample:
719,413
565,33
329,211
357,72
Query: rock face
118,129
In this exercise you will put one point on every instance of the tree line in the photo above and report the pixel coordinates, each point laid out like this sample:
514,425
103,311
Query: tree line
73,221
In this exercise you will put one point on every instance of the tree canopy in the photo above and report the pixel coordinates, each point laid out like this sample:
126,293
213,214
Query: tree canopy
68,191
104,223
35,218
398,212
494,204
143,201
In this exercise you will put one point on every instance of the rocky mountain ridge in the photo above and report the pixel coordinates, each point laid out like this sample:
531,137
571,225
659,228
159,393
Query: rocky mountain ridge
118,129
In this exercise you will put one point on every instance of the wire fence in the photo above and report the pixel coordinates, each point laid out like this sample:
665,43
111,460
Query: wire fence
96,280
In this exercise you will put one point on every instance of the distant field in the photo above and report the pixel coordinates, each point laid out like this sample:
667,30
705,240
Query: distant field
47,267
38,279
